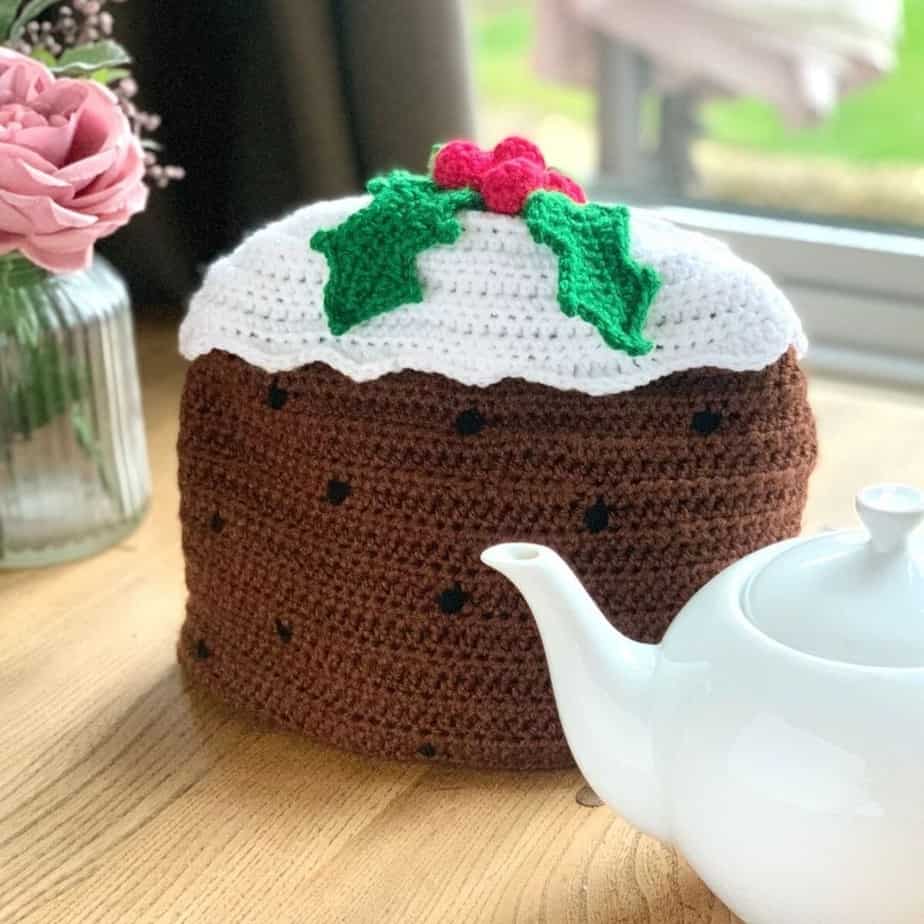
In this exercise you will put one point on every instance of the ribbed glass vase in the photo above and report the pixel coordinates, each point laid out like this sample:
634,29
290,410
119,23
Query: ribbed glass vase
74,473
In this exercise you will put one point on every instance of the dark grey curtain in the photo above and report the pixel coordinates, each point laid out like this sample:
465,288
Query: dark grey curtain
270,104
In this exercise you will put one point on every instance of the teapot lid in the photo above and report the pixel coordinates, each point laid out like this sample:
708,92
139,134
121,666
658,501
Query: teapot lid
855,596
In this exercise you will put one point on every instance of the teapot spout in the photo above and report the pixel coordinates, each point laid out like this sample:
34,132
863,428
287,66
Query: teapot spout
603,683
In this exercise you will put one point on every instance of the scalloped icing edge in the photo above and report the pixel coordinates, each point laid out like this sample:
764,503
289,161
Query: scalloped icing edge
490,309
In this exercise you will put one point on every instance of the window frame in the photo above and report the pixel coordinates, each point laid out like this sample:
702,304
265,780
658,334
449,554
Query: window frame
859,293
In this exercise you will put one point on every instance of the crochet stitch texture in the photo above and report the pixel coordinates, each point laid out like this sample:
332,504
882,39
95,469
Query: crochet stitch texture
596,280
332,538
343,466
373,254
490,309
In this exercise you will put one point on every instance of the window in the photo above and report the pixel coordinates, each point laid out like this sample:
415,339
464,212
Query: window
834,211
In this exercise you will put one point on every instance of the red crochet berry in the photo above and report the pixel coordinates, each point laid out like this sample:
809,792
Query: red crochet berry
514,147
458,164
506,185
559,182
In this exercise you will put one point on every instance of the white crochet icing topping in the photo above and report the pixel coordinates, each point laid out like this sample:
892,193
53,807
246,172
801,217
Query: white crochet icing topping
490,309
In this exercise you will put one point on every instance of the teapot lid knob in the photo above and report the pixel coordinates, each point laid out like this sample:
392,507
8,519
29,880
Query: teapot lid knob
891,513
849,595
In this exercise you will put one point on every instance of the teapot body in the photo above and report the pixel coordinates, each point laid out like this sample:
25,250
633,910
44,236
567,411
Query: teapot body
775,736
792,784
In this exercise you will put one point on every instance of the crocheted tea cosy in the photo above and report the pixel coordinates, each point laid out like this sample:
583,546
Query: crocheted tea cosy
383,386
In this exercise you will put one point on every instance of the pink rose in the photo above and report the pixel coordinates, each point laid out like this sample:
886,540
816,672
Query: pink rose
71,170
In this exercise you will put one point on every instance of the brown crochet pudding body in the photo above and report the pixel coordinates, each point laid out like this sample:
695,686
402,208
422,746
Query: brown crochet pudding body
332,533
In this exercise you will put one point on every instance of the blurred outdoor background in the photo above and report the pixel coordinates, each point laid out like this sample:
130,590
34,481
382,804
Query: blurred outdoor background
863,163
818,178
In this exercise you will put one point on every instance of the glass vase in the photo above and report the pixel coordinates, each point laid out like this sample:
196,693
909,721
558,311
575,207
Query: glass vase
74,474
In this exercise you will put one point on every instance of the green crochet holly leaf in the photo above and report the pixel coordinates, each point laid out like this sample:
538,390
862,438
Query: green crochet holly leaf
372,255
598,280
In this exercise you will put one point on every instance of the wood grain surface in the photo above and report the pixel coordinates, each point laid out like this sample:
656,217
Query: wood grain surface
125,796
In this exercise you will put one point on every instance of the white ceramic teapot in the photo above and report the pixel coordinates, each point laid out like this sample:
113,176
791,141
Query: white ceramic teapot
776,735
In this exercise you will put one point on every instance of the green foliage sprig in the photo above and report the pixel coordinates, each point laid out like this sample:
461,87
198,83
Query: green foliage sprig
372,256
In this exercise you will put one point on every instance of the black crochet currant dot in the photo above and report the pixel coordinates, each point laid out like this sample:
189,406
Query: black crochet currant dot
426,750
597,516
706,422
276,397
284,630
202,650
452,599
470,423
338,491
217,523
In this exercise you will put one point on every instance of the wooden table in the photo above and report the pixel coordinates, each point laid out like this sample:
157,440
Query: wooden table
126,797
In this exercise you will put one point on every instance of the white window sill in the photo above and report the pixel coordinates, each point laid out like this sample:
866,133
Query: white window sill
860,294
